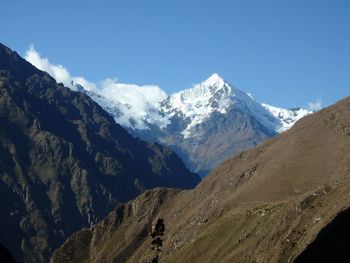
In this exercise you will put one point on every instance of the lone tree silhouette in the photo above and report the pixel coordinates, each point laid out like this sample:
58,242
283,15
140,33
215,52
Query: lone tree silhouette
157,241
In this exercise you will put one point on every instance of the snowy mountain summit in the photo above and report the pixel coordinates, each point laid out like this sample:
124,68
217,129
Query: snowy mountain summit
195,106
198,103
204,124
216,95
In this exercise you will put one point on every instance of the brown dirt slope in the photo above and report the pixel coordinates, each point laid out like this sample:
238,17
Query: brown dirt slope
263,205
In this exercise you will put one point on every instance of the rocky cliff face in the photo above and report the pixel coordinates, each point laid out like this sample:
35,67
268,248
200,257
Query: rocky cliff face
64,162
266,204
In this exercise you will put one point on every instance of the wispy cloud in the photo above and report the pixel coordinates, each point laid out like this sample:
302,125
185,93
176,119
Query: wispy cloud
140,98
58,72
136,102
315,105
131,94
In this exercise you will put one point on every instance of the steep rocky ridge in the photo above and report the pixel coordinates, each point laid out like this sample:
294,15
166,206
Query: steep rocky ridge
266,204
64,162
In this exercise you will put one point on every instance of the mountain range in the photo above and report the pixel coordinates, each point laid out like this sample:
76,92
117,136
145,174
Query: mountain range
286,200
205,124
64,162
75,186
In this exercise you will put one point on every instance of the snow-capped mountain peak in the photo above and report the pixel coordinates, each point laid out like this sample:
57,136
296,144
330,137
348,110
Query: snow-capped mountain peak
204,124
198,103
214,81
194,106
212,86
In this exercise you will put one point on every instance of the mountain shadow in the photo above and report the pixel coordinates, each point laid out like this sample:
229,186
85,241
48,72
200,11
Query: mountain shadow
331,244
5,255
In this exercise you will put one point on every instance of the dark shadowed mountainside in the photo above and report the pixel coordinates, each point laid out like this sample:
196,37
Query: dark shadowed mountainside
64,163
5,255
267,204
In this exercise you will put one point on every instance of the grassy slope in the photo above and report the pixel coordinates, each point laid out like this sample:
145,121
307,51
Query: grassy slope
264,205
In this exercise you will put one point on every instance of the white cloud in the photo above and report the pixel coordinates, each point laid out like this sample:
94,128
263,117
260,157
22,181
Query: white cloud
83,82
142,99
130,93
57,71
315,105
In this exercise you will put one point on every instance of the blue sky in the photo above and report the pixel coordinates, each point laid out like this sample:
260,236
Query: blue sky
286,53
